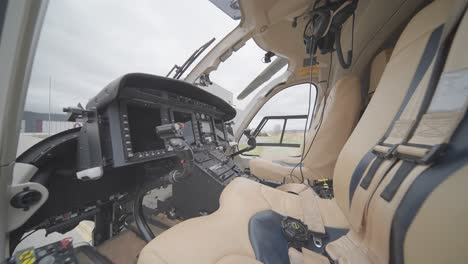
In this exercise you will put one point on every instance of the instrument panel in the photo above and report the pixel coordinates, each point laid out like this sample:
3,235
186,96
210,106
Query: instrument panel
129,109
140,117
117,153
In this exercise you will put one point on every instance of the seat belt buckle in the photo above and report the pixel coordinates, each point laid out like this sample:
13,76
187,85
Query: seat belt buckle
379,151
295,231
433,153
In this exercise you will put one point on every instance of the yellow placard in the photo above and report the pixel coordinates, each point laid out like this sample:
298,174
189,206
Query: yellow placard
305,71
27,257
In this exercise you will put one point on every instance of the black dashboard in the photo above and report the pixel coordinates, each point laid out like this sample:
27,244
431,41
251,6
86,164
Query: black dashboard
93,170
128,110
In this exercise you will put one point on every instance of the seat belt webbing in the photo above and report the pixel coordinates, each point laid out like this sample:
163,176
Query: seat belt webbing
389,191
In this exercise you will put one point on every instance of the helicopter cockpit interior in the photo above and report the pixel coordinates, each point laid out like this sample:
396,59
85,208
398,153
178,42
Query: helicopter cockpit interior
158,167
124,149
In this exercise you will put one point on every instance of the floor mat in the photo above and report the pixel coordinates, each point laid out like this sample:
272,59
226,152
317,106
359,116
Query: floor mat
122,249
125,247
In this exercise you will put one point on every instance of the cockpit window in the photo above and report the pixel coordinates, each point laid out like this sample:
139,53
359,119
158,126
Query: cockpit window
84,45
240,69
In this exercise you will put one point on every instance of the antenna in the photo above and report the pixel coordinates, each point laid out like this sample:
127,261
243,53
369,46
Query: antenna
179,70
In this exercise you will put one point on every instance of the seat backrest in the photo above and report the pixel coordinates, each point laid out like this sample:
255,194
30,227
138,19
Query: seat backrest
424,221
386,100
340,117
376,70
430,204
338,121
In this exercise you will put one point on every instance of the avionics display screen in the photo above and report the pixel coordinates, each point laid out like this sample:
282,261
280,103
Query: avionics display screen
219,129
142,124
205,127
186,119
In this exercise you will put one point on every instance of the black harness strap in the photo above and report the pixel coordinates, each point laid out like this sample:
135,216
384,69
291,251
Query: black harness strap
366,181
390,190
358,172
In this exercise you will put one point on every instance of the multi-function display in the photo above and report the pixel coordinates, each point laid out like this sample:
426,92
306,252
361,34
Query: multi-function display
142,123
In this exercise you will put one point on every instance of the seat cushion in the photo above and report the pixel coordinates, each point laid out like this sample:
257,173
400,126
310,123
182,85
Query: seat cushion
225,232
277,170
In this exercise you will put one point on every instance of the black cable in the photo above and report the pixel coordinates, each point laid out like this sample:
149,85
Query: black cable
320,120
308,113
328,78
324,105
307,118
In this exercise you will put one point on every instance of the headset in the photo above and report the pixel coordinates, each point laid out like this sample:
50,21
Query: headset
324,28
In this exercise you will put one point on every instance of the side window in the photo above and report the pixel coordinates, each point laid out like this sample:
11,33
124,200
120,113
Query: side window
279,125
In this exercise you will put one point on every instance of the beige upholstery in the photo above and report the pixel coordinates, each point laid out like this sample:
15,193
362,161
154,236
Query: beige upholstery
316,165
223,233
341,114
376,70
387,99
437,234
306,257
440,216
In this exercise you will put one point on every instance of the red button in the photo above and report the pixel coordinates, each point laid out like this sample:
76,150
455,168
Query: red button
66,243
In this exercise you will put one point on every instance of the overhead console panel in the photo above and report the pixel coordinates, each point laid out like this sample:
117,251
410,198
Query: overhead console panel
121,129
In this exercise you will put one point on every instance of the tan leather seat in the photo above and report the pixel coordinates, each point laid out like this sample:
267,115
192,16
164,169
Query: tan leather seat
341,114
342,111
376,70
425,220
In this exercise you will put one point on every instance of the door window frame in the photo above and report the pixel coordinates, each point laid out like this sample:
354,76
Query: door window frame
284,117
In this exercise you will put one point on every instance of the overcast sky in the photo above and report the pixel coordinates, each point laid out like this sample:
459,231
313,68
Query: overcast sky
86,44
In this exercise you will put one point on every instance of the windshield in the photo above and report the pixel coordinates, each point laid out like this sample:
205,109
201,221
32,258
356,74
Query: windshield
241,69
84,45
